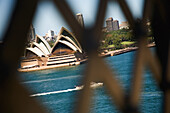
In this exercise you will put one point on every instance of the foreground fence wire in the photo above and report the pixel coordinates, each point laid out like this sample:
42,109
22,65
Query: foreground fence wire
14,98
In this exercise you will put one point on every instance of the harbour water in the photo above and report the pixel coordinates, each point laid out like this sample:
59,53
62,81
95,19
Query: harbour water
55,88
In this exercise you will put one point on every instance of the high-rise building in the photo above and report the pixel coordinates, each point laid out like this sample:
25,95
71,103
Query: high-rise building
50,33
109,24
115,25
31,34
80,19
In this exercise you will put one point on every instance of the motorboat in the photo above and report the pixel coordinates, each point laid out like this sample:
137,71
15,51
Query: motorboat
92,85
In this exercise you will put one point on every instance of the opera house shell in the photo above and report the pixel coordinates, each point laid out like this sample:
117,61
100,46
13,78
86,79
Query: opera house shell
65,52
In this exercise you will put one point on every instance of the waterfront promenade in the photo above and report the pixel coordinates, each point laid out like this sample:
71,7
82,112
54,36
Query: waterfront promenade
121,51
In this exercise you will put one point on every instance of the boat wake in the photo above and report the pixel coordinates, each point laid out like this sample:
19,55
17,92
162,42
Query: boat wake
92,85
54,92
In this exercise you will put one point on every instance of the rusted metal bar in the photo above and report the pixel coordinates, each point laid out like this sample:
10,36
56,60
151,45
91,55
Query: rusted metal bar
127,12
98,71
70,18
137,79
161,34
14,98
167,96
147,11
151,60
100,18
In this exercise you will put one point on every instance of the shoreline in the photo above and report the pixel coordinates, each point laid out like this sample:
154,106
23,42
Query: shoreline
110,53
121,51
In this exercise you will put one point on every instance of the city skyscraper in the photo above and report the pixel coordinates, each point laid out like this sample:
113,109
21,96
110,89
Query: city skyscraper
80,19
31,34
50,33
115,25
109,24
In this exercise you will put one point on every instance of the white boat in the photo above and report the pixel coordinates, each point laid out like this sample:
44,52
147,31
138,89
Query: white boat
92,85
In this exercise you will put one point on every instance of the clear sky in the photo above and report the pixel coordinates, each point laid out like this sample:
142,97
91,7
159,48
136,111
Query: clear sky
47,16
6,7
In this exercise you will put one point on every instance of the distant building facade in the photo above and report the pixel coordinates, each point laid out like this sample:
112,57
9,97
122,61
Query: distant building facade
109,24
50,33
112,25
31,34
80,19
115,25
124,25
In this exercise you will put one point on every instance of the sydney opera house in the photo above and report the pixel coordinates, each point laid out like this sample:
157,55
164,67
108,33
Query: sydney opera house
66,51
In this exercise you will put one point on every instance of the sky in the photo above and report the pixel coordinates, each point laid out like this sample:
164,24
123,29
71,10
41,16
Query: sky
6,8
47,17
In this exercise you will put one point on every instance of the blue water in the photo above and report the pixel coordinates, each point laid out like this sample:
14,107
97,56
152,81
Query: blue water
55,89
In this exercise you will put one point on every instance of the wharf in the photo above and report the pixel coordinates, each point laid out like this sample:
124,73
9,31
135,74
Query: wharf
121,51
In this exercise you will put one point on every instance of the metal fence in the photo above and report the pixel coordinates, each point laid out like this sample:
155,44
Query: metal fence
14,98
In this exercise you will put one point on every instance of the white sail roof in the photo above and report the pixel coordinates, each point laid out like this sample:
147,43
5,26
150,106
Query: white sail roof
68,40
68,44
45,43
42,47
36,51
67,33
